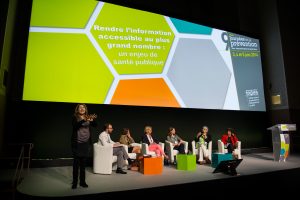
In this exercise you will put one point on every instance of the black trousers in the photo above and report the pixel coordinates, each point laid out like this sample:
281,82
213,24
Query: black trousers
230,148
180,148
79,165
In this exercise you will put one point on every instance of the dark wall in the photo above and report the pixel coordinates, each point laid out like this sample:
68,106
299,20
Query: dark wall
3,14
3,17
289,16
289,19
15,19
217,14
48,125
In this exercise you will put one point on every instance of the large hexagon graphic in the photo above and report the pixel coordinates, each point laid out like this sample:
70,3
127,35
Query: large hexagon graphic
144,92
64,68
47,13
199,74
135,42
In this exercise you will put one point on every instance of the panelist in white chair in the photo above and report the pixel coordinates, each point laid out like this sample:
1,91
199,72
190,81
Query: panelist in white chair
176,140
153,142
128,140
118,149
202,139
230,141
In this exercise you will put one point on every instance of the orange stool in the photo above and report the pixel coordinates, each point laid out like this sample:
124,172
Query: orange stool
151,166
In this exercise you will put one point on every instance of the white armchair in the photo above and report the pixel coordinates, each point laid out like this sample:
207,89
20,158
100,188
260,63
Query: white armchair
103,159
199,151
171,152
222,149
145,149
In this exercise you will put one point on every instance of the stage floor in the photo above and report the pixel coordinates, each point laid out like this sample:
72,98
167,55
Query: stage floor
56,181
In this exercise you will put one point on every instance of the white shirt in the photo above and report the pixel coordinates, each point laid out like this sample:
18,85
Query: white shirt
104,139
150,139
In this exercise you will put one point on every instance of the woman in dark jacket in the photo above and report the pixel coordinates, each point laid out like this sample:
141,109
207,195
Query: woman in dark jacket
80,141
153,142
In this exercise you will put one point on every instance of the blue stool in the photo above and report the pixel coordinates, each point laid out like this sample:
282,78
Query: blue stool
218,157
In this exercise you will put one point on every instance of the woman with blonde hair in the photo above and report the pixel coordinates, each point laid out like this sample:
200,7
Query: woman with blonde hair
153,142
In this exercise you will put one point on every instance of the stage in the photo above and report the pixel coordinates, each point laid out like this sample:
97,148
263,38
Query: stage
56,181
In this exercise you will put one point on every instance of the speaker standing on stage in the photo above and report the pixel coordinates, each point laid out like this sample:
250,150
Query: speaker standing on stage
81,141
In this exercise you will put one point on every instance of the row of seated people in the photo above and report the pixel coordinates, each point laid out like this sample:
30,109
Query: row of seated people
126,149
202,145
106,151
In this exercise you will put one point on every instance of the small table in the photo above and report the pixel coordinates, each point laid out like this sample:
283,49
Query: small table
218,157
186,162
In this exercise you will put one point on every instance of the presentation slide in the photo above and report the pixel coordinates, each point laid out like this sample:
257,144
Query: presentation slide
95,52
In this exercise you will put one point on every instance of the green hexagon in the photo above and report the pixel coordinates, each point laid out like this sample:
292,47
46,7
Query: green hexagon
135,42
62,13
64,68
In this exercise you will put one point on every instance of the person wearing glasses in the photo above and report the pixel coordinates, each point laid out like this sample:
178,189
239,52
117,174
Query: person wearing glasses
118,149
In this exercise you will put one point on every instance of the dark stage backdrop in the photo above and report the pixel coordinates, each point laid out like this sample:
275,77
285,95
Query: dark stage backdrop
49,125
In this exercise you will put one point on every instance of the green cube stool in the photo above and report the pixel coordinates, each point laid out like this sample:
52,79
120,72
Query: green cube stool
218,157
186,162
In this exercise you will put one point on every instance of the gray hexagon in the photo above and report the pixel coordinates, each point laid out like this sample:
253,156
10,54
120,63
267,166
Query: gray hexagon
199,74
